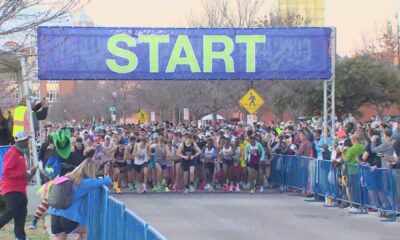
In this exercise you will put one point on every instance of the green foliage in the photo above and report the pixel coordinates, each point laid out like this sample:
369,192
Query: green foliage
361,80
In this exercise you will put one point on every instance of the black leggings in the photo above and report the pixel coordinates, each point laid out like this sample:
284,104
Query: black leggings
16,207
62,225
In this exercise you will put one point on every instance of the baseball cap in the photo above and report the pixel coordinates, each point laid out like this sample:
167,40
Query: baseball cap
21,136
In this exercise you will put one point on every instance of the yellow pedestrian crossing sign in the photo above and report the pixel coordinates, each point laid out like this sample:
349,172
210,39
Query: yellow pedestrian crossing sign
142,116
251,101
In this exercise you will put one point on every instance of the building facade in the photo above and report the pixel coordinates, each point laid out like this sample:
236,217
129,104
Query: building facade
312,10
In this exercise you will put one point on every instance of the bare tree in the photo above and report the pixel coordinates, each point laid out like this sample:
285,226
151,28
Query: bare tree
19,20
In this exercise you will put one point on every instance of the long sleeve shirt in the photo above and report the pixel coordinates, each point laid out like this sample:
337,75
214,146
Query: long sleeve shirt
77,212
260,148
385,149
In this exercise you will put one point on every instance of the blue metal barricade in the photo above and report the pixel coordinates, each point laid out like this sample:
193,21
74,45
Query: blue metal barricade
97,217
292,172
326,179
135,227
306,174
153,234
116,219
396,189
277,170
3,150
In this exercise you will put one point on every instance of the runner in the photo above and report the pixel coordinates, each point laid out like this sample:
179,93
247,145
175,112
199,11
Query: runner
176,142
161,155
188,151
253,155
119,165
208,158
226,155
130,161
141,155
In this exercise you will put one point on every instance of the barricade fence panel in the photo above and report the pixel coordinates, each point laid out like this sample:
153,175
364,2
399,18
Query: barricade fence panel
353,185
396,189
326,179
116,219
108,219
135,227
153,234
277,170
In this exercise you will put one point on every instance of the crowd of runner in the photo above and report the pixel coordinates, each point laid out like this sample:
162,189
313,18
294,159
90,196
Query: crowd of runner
231,158
185,158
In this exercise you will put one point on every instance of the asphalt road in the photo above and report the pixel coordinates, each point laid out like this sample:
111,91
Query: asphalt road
270,215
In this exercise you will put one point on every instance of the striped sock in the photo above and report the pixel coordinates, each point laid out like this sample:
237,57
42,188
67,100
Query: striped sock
41,209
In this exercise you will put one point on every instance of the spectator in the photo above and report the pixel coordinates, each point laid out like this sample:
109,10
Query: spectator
5,132
14,184
385,150
73,219
305,148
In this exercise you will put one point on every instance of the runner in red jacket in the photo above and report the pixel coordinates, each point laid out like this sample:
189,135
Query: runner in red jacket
14,183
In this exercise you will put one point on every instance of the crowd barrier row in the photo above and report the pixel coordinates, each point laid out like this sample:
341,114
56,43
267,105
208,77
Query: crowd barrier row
354,184
109,219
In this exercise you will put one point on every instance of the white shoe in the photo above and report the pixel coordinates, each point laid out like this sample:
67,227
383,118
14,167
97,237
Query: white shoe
262,189
207,187
237,188
353,210
211,189
231,188
191,188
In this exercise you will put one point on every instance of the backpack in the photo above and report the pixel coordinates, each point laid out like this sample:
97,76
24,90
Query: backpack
53,167
60,193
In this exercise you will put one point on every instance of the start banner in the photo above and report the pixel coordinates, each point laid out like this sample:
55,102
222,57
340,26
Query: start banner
96,53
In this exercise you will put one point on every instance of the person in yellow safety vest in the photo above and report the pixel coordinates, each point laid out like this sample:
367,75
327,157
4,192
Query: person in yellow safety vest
21,119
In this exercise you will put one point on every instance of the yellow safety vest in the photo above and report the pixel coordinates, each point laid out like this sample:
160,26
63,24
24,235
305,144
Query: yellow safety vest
19,121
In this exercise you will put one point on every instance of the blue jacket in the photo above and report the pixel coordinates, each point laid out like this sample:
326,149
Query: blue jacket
78,210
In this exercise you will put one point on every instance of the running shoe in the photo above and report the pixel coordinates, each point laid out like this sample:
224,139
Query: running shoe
202,185
175,188
237,188
225,187
231,188
262,189
155,188
187,190
207,187
167,189
191,188
252,191
164,182
33,224
211,189
116,188
353,210
131,187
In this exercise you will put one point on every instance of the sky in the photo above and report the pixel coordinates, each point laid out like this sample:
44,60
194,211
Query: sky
354,20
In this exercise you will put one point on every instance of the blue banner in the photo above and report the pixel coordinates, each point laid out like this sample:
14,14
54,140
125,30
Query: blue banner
94,53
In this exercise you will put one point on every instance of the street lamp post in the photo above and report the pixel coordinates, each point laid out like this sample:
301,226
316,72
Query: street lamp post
114,96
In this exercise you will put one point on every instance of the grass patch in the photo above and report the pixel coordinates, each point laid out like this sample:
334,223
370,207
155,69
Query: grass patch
7,232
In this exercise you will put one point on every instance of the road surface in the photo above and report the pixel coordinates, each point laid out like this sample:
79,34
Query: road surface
270,215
